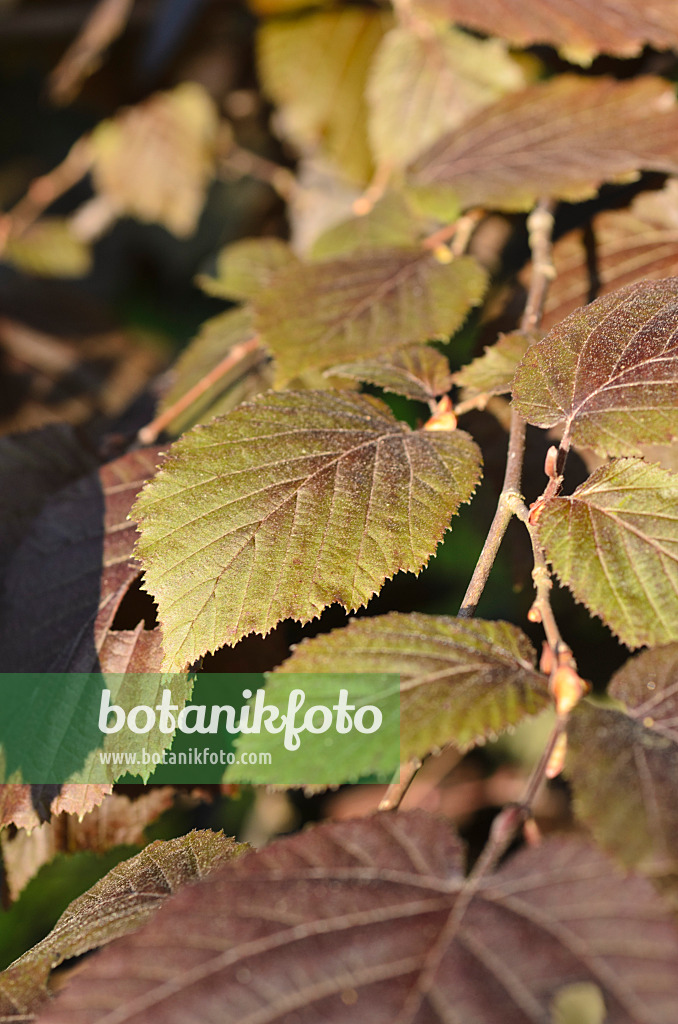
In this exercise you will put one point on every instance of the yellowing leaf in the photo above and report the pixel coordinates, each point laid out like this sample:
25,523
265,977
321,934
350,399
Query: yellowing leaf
246,267
288,504
49,248
614,543
315,69
582,132
327,313
390,222
422,86
155,160
609,371
462,680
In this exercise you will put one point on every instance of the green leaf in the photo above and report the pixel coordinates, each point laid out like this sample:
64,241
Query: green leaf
419,372
582,132
361,306
390,223
580,31
423,86
120,902
623,764
287,505
609,371
493,372
246,267
315,69
614,543
462,680
248,377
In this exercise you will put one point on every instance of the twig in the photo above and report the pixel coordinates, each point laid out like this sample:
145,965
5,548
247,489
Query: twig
44,190
397,789
83,56
243,163
459,232
149,433
540,227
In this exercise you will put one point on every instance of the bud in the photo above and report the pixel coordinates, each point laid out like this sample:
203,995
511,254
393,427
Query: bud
443,418
557,758
568,688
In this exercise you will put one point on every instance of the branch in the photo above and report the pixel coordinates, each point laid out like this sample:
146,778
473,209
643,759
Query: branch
397,789
540,227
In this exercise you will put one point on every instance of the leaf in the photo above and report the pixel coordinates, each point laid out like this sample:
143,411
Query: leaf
582,131
327,313
353,921
614,543
217,337
49,248
338,47
493,372
609,371
67,579
623,764
288,504
34,465
116,821
621,27
390,223
29,806
120,902
246,267
418,372
619,247
423,86
462,681
154,161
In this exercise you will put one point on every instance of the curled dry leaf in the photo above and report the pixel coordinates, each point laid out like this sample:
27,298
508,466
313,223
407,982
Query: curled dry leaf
117,821
363,920
28,806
